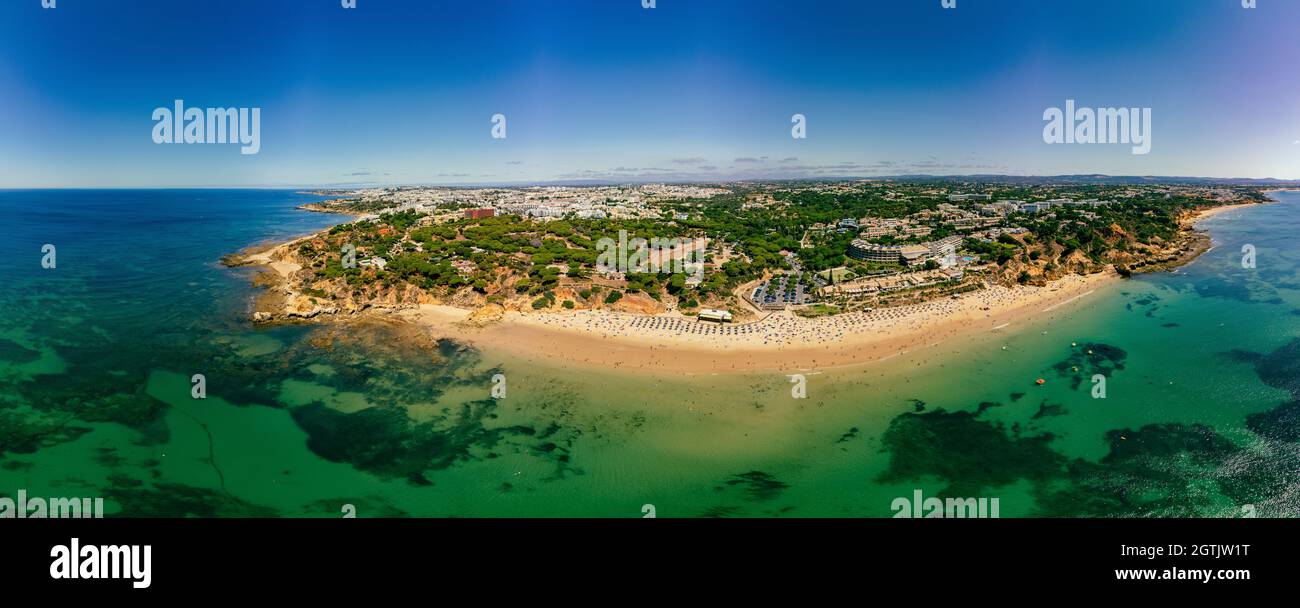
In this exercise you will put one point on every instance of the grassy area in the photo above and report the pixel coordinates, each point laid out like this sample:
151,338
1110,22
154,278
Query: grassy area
813,311
837,275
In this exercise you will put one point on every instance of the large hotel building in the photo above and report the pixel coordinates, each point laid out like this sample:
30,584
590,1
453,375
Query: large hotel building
907,255
886,254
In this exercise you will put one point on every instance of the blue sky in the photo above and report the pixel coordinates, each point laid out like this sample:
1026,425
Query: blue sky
402,91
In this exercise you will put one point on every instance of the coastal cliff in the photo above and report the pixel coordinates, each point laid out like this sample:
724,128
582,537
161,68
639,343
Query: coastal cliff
1042,264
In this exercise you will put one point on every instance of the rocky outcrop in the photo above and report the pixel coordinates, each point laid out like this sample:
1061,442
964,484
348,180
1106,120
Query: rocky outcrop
637,303
486,315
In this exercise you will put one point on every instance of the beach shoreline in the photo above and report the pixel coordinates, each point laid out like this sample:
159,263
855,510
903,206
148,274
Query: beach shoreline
780,342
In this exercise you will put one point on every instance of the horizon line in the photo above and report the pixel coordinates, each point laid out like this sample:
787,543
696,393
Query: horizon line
595,182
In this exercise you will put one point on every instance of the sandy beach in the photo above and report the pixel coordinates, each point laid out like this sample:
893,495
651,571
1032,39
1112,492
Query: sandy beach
1213,211
781,341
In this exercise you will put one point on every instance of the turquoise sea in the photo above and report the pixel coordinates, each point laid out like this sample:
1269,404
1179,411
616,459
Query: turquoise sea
1200,416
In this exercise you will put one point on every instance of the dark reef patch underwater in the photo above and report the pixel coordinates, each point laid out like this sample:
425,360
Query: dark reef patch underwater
392,366
1089,359
1166,470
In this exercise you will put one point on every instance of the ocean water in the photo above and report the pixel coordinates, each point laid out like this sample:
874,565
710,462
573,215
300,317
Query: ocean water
1200,417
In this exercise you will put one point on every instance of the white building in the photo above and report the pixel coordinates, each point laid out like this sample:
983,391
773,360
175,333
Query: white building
713,314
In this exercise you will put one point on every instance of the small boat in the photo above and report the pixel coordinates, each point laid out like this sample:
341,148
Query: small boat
1040,382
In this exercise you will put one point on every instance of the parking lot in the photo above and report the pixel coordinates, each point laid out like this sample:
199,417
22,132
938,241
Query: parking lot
782,291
